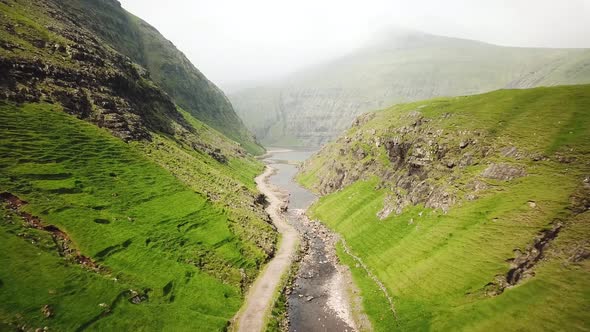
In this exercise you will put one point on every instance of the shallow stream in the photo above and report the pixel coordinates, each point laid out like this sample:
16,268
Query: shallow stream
313,301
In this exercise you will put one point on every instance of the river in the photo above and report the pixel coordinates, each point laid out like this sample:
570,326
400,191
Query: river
318,299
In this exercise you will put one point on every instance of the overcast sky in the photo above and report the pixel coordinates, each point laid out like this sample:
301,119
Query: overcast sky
234,41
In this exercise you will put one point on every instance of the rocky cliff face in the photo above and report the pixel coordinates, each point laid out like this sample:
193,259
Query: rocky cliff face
90,81
60,61
65,58
169,68
314,106
113,68
427,159
409,159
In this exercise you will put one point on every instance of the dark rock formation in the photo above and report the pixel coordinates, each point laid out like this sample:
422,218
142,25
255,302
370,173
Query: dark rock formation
217,155
90,60
90,81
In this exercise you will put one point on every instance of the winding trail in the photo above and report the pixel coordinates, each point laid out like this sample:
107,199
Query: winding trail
261,294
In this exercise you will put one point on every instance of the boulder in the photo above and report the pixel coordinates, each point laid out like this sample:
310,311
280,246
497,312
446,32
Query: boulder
503,171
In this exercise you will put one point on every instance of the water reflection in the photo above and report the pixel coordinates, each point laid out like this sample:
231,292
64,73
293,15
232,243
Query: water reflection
285,162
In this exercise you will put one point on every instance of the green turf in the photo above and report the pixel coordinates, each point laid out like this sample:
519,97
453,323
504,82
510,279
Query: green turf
436,265
148,228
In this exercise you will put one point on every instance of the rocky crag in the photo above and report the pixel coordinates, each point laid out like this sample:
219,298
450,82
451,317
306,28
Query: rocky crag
109,67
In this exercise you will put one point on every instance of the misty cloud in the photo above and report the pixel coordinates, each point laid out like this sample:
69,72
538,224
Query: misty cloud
234,42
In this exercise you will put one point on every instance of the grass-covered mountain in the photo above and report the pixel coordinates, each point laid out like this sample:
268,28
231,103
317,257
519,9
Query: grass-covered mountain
315,105
168,67
474,212
119,210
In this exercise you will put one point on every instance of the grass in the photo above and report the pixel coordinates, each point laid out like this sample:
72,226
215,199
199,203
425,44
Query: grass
25,27
151,231
436,265
374,302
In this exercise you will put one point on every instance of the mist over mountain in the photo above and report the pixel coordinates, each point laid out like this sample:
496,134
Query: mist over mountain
260,40
310,107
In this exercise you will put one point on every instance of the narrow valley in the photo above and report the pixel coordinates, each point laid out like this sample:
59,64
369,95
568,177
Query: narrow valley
276,166
320,295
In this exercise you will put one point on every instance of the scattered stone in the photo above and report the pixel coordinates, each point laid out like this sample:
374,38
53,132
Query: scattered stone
467,160
579,255
217,155
137,299
360,154
47,311
538,157
477,186
511,152
505,172
385,212
362,119
565,159
532,204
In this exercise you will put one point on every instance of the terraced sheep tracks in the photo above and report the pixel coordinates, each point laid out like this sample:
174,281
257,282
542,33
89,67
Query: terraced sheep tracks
61,239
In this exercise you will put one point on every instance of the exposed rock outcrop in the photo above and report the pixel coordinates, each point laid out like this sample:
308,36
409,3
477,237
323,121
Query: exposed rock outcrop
417,156
93,83
504,172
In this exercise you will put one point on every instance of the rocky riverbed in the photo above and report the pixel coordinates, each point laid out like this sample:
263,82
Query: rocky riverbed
322,296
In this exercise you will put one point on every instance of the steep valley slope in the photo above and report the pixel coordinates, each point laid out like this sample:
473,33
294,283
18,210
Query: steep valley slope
135,41
473,212
312,106
121,207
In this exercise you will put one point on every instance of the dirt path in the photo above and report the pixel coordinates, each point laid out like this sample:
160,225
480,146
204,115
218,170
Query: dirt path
261,293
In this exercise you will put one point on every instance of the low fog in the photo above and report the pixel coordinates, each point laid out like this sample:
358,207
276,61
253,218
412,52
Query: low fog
236,43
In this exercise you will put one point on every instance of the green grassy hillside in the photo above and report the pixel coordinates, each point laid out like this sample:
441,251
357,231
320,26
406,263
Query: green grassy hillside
316,104
119,209
149,233
168,67
472,211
